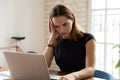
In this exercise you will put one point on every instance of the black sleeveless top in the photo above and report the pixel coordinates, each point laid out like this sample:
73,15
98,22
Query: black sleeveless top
70,55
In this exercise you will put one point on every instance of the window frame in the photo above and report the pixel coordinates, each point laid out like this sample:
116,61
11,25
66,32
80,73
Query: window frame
105,43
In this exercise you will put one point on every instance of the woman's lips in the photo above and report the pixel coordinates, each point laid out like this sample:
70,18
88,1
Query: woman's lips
63,34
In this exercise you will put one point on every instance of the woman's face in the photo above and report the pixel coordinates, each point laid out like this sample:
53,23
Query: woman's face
63,26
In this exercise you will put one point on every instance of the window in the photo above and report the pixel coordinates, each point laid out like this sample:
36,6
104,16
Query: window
105,26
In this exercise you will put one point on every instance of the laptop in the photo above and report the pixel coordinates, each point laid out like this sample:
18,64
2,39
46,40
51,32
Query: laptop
26,66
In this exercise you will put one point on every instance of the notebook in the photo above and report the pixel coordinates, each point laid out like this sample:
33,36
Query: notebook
25,66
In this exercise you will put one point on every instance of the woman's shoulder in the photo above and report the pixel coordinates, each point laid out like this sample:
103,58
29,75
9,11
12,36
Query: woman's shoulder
87,36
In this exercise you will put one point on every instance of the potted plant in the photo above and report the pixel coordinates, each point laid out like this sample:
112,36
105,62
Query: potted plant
118,62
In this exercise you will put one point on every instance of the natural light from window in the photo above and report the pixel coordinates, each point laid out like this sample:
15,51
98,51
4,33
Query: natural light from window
106,28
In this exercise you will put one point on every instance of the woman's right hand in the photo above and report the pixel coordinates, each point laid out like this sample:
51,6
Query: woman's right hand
53,34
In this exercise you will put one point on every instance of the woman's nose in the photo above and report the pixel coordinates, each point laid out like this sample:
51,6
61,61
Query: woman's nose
62,30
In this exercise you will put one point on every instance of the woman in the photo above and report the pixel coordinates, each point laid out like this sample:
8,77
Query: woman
73,49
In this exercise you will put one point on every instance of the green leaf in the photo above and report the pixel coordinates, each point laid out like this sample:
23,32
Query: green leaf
116,46
118,64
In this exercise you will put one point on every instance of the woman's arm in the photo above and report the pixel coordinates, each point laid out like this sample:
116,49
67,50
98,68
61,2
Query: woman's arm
48,53
90,64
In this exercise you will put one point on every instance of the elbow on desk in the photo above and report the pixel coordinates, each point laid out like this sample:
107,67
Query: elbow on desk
91,71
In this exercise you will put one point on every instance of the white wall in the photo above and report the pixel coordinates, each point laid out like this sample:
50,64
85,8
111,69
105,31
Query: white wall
22,18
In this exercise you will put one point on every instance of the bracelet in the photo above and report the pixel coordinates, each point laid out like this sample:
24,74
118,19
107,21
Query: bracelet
50,45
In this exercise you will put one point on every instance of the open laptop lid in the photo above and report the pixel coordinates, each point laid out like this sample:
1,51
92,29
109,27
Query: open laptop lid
24,66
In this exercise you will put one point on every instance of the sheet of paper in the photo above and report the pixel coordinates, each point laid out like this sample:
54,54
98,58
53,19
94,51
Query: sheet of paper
54,77
98,78
4,75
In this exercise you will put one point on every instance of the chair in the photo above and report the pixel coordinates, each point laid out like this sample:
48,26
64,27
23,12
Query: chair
103,75
17,46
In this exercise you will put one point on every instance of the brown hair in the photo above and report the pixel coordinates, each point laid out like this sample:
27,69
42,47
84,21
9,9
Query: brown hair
63,10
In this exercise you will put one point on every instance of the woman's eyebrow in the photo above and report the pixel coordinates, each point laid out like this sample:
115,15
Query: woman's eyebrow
62,24
65,22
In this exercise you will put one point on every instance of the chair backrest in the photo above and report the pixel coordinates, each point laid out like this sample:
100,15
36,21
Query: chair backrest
103,75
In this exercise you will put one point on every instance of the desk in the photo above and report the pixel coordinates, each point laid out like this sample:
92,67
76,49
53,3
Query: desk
52,72
3,69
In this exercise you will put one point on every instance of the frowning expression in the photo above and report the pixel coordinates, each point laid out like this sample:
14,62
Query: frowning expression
63,26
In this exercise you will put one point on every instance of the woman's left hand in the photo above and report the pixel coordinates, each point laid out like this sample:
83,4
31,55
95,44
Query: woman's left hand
68,77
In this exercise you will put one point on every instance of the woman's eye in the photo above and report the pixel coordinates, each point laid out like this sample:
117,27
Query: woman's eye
56,26
65,24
